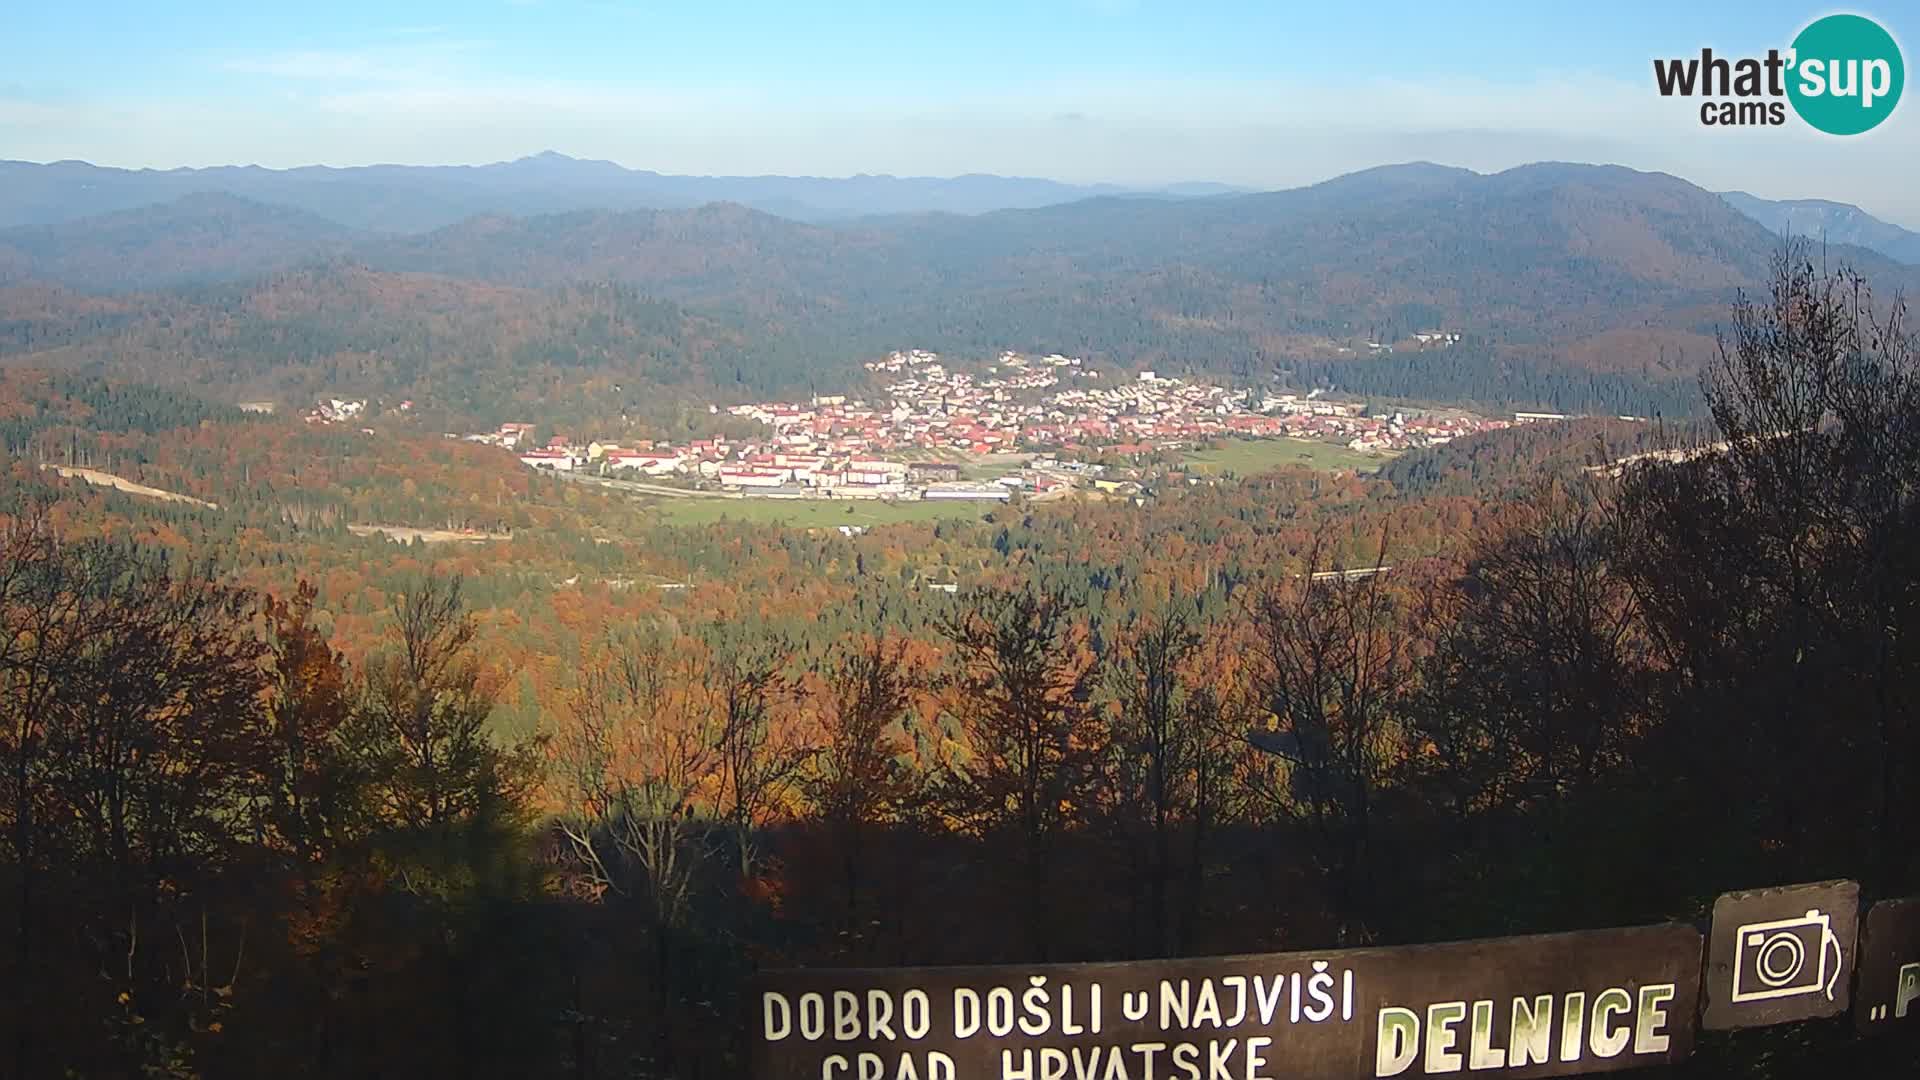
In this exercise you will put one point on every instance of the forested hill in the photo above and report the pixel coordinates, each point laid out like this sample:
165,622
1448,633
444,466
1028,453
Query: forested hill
416,198
470,349
1573,287
1824,221
202,237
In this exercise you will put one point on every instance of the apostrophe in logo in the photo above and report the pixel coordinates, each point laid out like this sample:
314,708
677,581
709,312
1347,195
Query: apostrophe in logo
1847,74
1843,75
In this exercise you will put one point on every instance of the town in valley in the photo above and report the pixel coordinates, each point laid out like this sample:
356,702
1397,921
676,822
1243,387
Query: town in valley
1040,426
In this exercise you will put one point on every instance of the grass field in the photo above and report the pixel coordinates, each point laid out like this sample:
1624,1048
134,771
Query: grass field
813,513
1245,457
995,466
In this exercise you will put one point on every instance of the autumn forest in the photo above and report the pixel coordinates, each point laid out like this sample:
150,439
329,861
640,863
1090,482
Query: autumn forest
280,797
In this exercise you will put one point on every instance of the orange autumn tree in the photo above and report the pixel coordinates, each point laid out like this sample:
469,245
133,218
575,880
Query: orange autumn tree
308,701
864,779
1177,732
1029,739
1336,667
634,763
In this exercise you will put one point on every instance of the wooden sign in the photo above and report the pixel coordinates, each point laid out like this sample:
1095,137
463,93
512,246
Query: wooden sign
1780,955
1889,994
1550,1005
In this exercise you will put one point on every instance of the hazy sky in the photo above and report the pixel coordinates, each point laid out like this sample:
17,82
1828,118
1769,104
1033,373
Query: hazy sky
1268,94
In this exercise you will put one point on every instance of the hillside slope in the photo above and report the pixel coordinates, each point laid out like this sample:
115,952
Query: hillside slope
1829,222
198,238
418,198
1570,286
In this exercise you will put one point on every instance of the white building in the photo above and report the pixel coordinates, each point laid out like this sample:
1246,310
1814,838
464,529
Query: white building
984,492
755,478
648,464
557,460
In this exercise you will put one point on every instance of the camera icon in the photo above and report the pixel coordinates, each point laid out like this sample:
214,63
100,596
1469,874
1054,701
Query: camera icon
1786,958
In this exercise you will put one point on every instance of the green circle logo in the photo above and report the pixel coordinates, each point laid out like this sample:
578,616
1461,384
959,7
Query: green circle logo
1846,75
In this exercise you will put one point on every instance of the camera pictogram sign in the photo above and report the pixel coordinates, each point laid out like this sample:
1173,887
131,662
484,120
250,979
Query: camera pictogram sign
1780,955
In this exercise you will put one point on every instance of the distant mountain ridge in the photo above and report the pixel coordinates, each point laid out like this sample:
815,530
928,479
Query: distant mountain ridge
204,237
420,198
1832,222
1571,286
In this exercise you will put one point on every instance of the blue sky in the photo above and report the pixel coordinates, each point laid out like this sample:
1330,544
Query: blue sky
1134,91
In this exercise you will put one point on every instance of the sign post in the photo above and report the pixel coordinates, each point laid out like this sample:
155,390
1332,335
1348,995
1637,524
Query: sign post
1547,1005
1889,998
